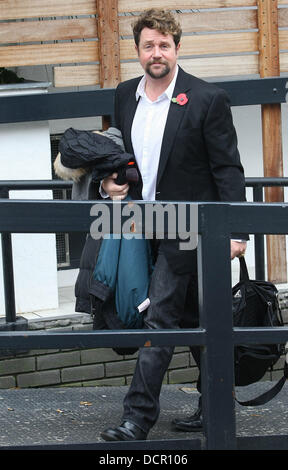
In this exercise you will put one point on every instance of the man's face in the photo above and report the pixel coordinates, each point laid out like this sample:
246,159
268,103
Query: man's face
157,53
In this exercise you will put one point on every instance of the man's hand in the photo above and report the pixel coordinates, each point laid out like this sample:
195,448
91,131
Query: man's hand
237,248
115,191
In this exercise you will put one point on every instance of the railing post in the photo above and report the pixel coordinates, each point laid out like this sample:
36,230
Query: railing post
8,274
215,304
259,240
8,277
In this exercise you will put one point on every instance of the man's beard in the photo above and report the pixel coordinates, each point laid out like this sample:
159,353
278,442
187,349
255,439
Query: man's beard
162,73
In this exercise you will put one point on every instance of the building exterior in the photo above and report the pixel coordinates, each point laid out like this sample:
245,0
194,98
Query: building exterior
58,48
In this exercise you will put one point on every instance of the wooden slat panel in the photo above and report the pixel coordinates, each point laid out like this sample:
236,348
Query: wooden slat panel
16,9
219,43
283,17
204,67
49,54
29,31
221,66
204,21
81,75
283,39
140,5
204,44
284,62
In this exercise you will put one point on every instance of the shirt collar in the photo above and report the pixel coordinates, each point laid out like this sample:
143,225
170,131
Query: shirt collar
140,92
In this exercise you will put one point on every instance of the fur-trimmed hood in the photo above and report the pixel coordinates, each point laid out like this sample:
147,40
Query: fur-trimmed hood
67,173
83,152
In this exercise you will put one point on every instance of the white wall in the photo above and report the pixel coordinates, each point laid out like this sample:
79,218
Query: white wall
25,155
247,120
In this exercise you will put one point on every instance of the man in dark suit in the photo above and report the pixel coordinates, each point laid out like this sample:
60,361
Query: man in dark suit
181,132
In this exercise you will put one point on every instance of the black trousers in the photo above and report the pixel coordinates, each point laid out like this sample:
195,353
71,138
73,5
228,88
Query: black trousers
174,304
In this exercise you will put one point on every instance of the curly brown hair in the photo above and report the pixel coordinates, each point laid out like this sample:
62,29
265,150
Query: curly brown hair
161,20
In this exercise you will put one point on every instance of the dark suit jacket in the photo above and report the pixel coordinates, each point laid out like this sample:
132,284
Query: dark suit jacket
199,159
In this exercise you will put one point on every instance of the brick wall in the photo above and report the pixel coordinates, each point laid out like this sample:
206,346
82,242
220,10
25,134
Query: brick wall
93,367
81,367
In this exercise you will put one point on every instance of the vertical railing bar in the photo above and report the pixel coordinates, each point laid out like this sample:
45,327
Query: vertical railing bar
217,364
8,272
259,239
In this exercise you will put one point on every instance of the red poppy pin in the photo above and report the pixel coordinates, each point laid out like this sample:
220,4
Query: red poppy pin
180,99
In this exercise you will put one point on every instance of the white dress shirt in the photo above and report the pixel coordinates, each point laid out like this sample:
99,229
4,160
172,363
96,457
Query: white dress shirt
147,134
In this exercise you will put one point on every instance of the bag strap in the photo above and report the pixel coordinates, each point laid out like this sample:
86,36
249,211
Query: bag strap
267,396
244,275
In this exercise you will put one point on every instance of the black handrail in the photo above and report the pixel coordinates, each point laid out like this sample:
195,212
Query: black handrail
5,186
100,102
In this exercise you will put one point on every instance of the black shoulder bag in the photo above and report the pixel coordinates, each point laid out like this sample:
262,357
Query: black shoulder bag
255,304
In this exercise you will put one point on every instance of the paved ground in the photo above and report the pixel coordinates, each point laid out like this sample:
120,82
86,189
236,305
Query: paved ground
61,416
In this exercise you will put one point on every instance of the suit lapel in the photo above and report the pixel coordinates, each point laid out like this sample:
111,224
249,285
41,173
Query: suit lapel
131,106
174,118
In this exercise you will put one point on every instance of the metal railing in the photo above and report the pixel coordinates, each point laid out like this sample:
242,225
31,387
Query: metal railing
7,254
257,184
217,339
